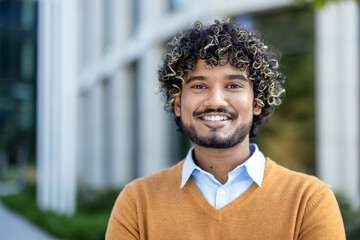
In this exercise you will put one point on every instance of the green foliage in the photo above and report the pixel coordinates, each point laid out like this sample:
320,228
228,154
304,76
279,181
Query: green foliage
9,175
88,223
315,3
319,3
350,216
94,201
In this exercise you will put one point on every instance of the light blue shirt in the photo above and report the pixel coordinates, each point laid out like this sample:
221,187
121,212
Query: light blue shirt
239,179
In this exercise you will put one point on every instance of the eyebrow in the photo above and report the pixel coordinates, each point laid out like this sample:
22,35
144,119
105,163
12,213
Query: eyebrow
237,76
190,79
229,77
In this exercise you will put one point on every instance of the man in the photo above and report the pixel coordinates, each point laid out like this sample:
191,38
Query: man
222,82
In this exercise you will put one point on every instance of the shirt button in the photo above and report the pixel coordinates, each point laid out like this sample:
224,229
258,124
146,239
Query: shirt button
222,192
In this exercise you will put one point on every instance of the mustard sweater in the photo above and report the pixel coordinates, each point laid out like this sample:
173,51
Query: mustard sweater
289,205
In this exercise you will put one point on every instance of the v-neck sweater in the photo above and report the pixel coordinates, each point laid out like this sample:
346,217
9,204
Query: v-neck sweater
289,205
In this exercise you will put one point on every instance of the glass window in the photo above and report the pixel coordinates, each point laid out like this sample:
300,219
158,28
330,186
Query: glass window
18,43
107,25
85,33
107,130
135,16
134,69
178,4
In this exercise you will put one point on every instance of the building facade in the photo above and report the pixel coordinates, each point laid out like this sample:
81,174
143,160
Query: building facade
100,123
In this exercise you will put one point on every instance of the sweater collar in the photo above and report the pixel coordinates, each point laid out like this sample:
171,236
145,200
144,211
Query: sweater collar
254,166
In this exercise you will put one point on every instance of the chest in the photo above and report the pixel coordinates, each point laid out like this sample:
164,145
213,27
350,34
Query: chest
189,216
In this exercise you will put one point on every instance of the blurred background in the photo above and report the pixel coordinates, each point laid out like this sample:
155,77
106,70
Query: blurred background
79,117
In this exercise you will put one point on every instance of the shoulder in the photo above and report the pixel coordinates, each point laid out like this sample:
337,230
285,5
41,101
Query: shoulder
284,178
166,179
307,194
312,200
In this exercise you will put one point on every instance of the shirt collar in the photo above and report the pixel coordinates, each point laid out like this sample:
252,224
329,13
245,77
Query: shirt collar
255,166
188,167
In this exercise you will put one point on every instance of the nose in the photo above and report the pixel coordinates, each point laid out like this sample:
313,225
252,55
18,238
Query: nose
216,98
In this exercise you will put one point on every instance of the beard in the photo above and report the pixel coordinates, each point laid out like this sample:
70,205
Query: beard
213,140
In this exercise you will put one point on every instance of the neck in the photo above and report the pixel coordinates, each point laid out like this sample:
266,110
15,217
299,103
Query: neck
219,162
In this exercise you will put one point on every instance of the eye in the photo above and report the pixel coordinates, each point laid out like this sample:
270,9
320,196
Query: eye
198,86
234,86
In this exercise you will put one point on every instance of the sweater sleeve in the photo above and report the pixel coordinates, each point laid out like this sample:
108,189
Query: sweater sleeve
322,218
123,222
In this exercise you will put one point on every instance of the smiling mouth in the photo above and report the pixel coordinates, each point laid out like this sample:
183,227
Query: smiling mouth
215,118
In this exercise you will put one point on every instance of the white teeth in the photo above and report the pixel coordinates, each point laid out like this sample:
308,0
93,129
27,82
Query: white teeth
215,118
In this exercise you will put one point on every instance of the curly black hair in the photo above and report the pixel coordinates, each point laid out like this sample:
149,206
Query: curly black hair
218,44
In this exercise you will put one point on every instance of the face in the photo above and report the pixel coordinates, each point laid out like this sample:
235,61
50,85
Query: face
216,105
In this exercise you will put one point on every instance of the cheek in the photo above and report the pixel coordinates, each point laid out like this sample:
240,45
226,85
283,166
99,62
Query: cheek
245,101
244,104
189,105
186,108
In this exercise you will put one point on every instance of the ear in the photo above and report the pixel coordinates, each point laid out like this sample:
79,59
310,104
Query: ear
257,109
177,106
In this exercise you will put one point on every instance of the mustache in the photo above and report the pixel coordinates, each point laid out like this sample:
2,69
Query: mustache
233,115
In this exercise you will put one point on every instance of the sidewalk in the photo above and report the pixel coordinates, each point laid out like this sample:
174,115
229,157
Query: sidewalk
15,227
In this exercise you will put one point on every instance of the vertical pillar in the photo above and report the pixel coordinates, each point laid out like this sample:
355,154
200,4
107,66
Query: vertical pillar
123,127
98,29
121,86
97,180
153,143
96,177
153,148
93,151
57,106
337,96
